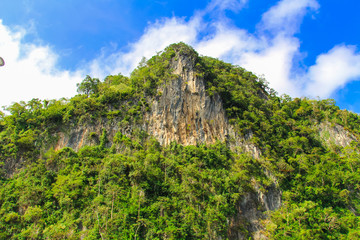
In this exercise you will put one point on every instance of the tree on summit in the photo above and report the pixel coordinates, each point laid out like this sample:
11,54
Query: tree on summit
88,85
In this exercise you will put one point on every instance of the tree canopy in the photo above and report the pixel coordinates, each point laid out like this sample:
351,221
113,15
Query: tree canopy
128,186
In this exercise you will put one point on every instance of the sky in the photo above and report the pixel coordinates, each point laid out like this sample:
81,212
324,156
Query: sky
303,48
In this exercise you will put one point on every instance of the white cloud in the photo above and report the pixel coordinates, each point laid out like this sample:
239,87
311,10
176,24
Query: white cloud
287,15
226,41
271,56
233,5
172,30
156,37
271,51
30,70
275,63
333,70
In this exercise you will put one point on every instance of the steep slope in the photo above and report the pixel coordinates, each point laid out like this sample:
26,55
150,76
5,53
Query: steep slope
184,113
187,147
181,111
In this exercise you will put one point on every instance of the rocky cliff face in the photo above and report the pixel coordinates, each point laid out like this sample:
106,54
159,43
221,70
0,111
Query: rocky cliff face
184,113
335,134
86,135
252,210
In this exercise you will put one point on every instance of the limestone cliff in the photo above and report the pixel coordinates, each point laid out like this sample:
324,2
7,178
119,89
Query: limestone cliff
182,112
182,108
186,114
335,134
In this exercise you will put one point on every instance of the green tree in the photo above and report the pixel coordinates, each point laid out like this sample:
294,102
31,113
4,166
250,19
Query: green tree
88,86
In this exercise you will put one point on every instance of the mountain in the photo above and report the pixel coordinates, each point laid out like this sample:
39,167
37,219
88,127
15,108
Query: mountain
187,147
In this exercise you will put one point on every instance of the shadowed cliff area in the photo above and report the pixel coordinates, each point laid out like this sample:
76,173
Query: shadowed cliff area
186,147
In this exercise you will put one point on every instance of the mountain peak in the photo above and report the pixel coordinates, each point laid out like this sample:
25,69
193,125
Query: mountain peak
120,149
182,49
184,112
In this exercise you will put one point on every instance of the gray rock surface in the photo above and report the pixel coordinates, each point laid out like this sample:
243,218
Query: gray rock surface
335,134
184,113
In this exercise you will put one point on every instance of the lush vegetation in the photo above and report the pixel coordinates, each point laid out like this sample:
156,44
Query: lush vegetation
154,193
130,187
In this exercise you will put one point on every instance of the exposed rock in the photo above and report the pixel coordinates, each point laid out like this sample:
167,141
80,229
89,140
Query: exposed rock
186,114
86,134
11,165
335,134
251,210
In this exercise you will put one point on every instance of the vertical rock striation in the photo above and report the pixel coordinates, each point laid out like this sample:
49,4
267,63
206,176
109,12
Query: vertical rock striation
181,112
184,112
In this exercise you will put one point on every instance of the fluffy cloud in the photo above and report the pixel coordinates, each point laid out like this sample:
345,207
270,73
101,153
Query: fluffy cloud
272,52
158,36
333,70
227,43
286,15
275,64
30,70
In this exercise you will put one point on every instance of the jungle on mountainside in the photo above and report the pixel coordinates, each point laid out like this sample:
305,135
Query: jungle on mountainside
129,186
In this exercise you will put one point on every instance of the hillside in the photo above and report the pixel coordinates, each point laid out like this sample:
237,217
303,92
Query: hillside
187,147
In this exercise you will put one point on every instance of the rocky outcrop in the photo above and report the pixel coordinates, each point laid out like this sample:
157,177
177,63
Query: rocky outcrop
181,112
87,134
186,114
251,211
254,208
331,133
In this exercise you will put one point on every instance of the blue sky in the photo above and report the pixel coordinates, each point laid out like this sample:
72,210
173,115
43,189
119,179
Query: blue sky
302,47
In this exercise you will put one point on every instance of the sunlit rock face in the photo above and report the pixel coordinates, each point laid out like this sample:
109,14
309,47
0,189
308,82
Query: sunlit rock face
184,112
334,134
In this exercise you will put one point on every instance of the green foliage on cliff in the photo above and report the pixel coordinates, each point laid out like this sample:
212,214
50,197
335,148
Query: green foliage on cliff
130,187
151,193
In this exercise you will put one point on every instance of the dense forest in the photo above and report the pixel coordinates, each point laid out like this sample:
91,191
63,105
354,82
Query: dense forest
129,186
